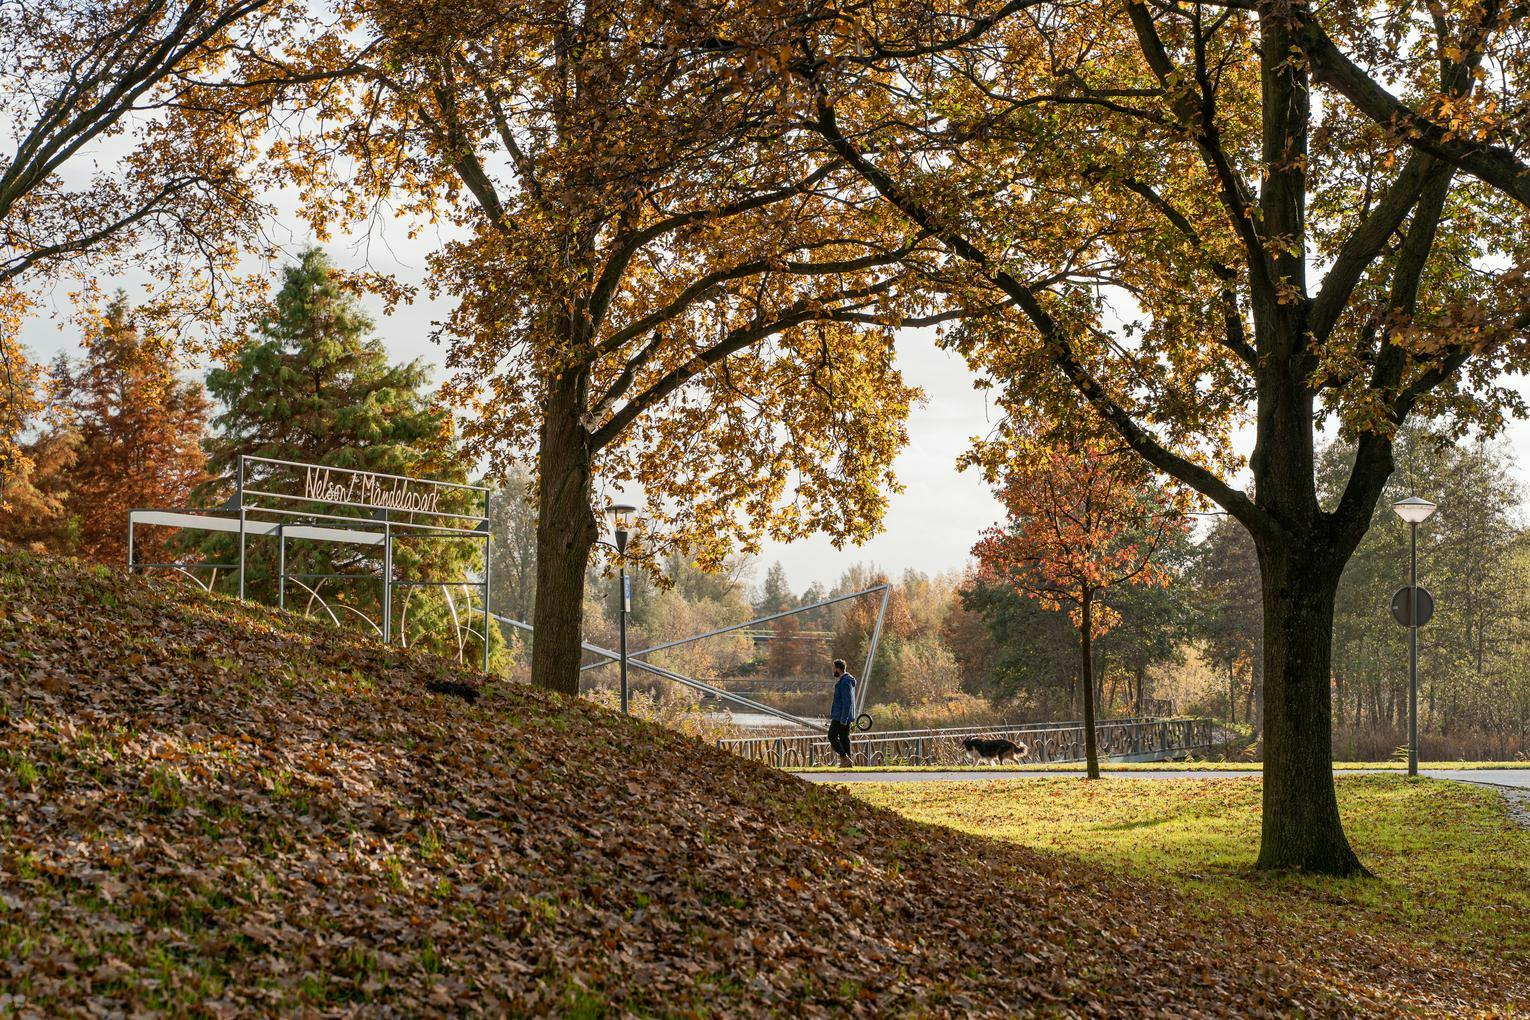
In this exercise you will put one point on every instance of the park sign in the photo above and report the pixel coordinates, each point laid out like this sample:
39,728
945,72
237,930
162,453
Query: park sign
1410,610
369,489
265,482
283,503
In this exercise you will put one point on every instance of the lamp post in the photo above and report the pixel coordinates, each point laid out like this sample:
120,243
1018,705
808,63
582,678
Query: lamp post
1414,511
623,517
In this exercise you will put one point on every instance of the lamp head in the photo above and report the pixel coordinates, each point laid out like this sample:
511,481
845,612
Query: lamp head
1414,510
623,517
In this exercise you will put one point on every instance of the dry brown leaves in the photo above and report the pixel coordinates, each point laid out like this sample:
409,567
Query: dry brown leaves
219,809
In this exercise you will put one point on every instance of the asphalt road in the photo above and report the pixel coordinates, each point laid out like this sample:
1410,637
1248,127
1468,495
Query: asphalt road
1518,778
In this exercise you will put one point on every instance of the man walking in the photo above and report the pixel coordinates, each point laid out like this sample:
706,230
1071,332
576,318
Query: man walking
842,714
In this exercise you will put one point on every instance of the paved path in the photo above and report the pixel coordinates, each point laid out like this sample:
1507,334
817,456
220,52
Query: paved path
1519,778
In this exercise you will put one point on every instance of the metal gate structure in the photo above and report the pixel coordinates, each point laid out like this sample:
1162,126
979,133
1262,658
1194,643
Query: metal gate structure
347,506
374,510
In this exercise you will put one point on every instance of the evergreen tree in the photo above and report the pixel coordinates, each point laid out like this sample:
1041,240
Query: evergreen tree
776,594
312,386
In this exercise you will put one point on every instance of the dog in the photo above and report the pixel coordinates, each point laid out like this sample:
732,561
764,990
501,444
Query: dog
993,750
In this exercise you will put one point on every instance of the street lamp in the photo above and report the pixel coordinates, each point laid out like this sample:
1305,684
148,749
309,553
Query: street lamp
1414,511
623,519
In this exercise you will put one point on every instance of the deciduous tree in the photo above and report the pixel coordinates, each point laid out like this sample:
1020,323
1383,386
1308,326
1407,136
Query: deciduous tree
658,280
20,397
139,131
1195,234
1082,519
1229,608
1384,58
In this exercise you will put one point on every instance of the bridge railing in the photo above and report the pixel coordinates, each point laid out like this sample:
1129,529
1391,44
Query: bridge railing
1117,739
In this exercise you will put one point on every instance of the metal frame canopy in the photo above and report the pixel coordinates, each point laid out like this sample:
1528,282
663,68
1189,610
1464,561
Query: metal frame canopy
334,504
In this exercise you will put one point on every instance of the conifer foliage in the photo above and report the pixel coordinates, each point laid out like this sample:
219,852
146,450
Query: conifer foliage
312,385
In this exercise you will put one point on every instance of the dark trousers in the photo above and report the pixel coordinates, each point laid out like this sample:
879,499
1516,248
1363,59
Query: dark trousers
839,738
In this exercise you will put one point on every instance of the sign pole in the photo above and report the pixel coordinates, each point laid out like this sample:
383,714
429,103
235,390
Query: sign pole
387,606
1413,607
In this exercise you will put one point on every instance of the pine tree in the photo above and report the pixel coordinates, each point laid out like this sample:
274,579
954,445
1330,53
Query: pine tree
776,594
312,386
139,430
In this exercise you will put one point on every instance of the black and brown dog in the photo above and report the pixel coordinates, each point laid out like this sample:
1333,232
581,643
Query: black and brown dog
993,750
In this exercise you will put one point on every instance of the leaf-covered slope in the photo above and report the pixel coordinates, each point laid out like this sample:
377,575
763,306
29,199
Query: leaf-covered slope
214,807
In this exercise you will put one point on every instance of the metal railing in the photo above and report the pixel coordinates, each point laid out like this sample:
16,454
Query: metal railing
1117,739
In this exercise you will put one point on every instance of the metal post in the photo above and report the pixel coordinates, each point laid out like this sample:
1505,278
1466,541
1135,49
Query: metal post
1413,650
281,566
130,544
621,594
239,498
387,599
488,572
871,652
241,552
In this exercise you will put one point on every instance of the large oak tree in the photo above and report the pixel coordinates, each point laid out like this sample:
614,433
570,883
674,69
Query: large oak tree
1197,236
659,279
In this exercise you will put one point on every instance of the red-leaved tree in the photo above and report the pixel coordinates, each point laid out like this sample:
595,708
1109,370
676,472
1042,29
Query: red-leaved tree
1083,518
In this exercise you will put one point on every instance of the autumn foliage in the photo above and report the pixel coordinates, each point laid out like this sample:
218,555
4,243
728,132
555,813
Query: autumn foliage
1083,517
123,431
138,427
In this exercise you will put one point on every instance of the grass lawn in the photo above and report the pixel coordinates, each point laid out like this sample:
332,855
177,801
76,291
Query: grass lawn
1451,868
1169,766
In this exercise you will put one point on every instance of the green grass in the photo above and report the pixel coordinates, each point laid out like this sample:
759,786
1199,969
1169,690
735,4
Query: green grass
1168,766
1451,868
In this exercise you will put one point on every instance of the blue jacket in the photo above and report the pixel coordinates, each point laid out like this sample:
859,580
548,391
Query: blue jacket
844,699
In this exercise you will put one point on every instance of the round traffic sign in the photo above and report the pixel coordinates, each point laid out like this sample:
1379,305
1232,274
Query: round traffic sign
1403,606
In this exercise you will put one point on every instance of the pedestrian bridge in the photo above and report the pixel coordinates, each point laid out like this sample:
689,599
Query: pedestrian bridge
1117,740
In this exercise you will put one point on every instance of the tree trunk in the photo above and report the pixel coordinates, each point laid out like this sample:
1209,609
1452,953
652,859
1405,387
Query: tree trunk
1301,829
1091,752
1141,683
566,532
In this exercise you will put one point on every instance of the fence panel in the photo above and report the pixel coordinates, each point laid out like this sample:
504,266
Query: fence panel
1042,743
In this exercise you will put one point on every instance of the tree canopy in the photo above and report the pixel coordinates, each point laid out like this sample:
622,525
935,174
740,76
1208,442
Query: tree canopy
1194,237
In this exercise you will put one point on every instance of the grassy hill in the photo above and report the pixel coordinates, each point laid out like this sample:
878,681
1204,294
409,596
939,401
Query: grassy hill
217,808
